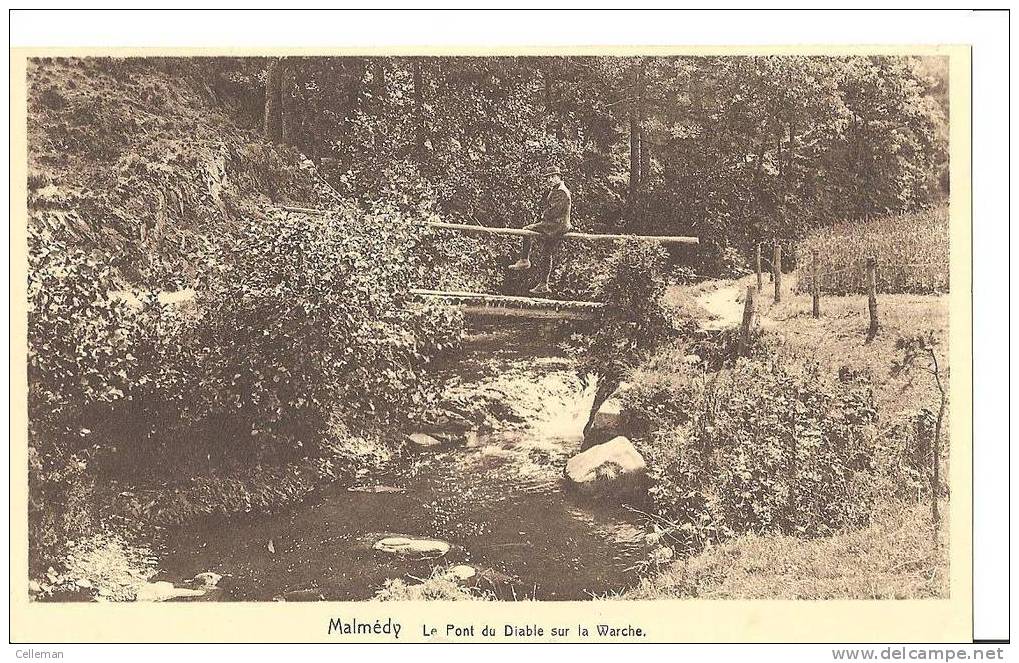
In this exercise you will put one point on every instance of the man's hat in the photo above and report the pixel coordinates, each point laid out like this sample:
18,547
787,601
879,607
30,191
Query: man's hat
551,170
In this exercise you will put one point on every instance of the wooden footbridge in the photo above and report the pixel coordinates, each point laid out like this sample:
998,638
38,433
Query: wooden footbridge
476,304
488,305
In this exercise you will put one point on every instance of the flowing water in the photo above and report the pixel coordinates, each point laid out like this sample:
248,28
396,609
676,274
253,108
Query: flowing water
499,501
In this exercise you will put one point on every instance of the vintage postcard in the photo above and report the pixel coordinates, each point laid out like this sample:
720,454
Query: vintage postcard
579,344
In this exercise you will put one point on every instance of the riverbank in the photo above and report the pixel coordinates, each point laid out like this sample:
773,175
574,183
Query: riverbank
893,558
894,555
493,498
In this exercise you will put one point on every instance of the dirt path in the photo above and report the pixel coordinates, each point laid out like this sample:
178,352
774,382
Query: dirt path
724,303
720,303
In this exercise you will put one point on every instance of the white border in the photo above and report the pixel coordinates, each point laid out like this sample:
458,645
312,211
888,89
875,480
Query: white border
987,32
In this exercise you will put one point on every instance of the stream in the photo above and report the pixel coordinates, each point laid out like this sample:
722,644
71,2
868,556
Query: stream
499,501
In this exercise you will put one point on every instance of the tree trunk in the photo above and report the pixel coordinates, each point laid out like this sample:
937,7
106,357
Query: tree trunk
380,92
419,110
645,174
272,123
288,131
548,88
636,116
354,87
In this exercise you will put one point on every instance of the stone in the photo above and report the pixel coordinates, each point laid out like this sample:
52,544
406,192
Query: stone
423,440
609,464
461,572
662,554
691,360
410,547
209,579
163,591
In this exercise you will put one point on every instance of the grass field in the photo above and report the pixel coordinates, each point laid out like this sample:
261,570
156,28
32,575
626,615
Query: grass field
892,557
911,250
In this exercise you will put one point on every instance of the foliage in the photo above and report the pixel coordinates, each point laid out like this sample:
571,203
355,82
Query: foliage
911,251
761,447
635,320
733,149
293,315
439,586
921,351
101,567
308,312
891,558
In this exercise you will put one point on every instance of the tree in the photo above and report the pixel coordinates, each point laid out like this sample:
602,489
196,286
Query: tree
272,124
637,161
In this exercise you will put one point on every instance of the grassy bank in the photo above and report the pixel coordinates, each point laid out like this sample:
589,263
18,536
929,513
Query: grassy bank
892,558
741,540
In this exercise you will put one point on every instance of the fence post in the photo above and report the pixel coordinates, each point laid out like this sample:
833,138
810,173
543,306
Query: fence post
872,294
749,308
776,269
815,285
757,264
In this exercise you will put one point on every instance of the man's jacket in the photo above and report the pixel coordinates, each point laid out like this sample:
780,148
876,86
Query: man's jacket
555,211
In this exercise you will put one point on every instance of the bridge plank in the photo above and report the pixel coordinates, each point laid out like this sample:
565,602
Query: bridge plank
481,304
520,232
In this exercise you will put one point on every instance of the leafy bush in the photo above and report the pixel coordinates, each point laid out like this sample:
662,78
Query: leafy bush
440,585
292,316
761,447
308,312
634,321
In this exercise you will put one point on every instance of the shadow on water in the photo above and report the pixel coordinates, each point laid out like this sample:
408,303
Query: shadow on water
500,503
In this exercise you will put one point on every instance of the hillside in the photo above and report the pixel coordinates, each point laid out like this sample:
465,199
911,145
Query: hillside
138,158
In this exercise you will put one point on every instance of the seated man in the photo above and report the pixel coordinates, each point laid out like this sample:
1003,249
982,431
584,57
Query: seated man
554,223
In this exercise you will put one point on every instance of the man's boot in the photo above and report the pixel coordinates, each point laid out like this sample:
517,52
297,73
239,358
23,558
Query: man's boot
541,289
521,265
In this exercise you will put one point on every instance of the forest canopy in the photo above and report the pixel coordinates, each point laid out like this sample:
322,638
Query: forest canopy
733,149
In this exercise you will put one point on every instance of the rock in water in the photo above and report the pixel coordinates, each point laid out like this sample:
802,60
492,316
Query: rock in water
612,464
416,548
163,591
209,579
423,440
460,572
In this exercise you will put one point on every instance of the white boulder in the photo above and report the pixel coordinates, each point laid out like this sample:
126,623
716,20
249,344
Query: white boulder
460,572
209,579
410,547
606,463
423,440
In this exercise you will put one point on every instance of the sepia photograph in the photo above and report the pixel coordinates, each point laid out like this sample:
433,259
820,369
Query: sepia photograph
509,328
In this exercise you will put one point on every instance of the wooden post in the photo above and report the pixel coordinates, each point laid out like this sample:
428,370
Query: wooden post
749,308
776,269
815,285
757,266
872,294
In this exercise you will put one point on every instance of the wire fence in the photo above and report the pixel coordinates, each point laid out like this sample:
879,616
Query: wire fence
862,275
918,277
